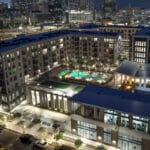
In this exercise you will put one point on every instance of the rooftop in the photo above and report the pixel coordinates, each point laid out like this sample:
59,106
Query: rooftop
134,69
117,100
23,40
92,26
57,87
143,32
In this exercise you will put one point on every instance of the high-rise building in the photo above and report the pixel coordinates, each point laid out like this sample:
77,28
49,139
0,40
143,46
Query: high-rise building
141,46
59,8
56,10
72,4
86,5
109,7
22,7
29,9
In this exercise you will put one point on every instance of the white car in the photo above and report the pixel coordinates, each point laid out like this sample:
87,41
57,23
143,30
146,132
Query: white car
41,144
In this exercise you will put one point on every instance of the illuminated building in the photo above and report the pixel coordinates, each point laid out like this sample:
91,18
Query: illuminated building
109,7
28,56
114,117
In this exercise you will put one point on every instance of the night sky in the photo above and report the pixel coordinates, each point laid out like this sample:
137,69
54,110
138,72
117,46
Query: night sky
121,3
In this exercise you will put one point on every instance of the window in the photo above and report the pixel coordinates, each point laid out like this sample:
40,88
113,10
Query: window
86,130
44,51
126,142
110,117
140,124
107,136
124,120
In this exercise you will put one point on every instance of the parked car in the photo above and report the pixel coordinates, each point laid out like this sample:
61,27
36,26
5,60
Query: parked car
40,145
27,138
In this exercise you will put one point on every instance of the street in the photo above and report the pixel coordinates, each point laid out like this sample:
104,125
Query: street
10,140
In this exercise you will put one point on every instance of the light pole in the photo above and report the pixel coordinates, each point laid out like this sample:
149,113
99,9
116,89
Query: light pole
5,120
24,129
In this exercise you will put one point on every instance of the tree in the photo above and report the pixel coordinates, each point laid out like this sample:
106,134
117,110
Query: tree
101,147
58,136
78,143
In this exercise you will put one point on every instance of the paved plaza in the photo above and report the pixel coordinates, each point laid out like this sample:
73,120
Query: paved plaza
22,125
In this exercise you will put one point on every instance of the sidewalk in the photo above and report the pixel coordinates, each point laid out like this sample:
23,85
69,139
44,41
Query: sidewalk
21,126
68,138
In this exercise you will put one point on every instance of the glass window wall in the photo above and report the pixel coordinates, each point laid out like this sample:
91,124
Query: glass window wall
107,136
87,130
126,142
140,124
110,117
124,120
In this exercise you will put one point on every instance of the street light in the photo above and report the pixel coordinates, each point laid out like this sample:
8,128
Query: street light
99,138
5,120
24,128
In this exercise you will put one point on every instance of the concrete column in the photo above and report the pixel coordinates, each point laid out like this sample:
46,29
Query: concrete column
62,104
145,144
140,83
130,122
95,113
74,126
100,134
56,102
119,119
149,126
70,108
52,101
82,110
121,78
115,79
114,138
101,115
144,82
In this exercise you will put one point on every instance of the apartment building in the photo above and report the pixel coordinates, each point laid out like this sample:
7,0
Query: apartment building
25,57
141,46
114,117
109,7
126,31
98,113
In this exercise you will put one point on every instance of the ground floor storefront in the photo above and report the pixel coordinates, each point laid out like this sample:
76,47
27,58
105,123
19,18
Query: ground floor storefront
118,137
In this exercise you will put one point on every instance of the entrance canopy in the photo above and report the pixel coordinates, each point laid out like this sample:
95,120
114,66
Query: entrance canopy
134,69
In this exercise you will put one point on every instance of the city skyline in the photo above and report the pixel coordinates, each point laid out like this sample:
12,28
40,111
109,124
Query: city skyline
121,3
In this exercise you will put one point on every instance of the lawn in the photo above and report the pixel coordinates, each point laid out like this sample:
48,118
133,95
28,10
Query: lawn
55,84
20,123
78,88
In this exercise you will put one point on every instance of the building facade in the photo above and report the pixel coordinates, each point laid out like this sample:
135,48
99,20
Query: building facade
141,46
104,119
28,56
127,33
109,7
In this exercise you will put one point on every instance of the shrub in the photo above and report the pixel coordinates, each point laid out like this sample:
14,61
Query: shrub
58,136
17,115
36,121
78,143
101,147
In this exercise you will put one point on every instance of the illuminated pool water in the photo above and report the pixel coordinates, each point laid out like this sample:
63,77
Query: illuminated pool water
64,72
82,75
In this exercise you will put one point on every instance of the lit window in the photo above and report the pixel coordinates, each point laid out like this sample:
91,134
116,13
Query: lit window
61,40
53,48
44,51
61,45
95,39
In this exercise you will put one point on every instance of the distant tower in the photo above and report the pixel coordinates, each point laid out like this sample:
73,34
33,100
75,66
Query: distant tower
87,5
109,7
